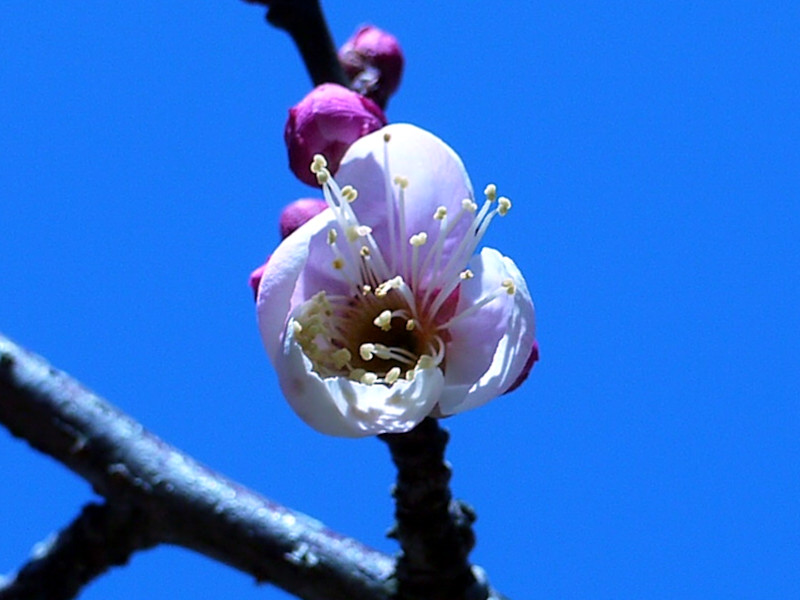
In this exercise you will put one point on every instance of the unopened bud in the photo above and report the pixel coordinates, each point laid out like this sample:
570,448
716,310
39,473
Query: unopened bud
373,60
326,122
297,213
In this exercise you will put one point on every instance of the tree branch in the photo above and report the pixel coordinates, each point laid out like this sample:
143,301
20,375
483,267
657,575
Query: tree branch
183,502
434,531
101,537
304,22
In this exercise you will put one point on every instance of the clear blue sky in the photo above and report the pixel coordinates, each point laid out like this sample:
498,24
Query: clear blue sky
651,151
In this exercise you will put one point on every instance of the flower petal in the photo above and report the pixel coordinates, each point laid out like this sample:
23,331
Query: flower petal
287,279
436,178
489,348
341,407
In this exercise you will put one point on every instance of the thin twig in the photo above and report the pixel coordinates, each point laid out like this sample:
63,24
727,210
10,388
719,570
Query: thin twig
304,21
183,502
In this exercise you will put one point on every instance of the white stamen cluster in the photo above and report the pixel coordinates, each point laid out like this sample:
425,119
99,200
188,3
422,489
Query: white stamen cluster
390,324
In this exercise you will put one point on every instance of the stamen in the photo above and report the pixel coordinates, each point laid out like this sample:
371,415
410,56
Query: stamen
503,206
411,324
468,205
384,320
369,378
466,274
387,137
367,351
364,252
392,375
509,286
332,235
425,362
349,193
322,176
341,357
419,239
491,192
338,263
440,213
318,163
401,181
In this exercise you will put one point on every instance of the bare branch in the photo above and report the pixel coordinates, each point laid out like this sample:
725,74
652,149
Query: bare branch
102,536
304,21
183,502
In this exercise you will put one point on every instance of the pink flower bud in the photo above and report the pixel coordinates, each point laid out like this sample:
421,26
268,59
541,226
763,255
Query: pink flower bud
297,213
373,60
326,122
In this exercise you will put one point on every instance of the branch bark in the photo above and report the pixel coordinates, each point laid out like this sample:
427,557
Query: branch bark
304,22
181,501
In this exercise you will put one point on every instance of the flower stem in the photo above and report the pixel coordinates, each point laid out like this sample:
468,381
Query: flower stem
434,531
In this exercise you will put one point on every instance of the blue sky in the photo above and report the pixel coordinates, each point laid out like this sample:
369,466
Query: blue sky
651,152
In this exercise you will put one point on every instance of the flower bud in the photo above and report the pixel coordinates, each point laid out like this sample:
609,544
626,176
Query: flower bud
326,122
297,213
373,60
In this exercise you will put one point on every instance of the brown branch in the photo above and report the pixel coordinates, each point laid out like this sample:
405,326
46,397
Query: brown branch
434,530
304,22
182,502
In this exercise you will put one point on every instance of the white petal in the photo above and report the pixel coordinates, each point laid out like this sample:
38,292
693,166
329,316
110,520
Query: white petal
341,407
489,348
282,286
436,178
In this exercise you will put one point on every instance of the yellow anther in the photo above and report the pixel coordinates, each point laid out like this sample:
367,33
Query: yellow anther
349,193
509,286
468,205
351,233
367,351
387,137
369,378
411,325
425,362
357,374
410,374
401,181
491,192
390,284
341,357
323,175
392,375
384,320
332,235
364,252
338,263
318,163
504,205
419,239
466,274
440,213
297,327
366,289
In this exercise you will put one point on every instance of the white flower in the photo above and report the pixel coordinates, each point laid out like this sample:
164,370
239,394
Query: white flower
377,312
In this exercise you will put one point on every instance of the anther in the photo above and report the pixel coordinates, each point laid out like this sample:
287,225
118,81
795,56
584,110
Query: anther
349,193
364,251
384,320
504,205
318,163
332,235
411,325
468,205
338,264
425,362
509,286
440,213
341,357
369,378
466,274
387,137
323,175
419,239
491,192
401,181
392,375
367,351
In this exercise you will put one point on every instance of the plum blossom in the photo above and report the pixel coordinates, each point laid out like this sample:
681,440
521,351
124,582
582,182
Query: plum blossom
378,312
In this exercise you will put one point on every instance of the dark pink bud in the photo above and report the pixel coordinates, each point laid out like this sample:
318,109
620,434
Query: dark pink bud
373,60
533,357
297,213
326,122
255,278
